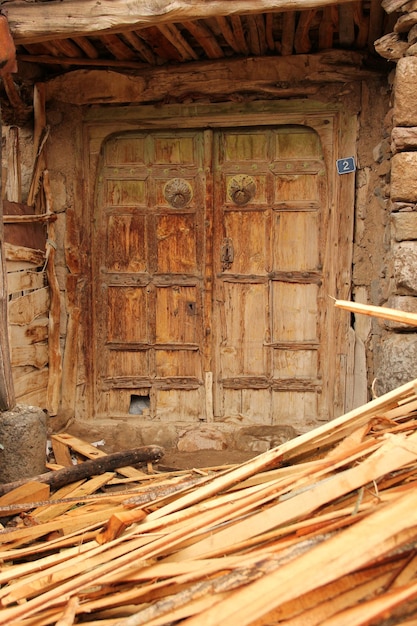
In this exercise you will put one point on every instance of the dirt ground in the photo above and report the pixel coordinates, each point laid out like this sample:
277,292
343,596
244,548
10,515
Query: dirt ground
175,460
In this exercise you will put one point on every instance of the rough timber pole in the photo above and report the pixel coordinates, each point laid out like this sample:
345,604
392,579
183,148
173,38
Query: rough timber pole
7,397
8,64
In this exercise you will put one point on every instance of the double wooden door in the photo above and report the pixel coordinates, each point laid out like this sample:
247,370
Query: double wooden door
213,274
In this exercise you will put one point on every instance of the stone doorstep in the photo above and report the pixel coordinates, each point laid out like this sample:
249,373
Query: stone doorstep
121,434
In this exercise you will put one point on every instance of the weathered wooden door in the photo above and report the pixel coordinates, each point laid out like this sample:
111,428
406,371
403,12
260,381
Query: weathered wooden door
244,305
151,249
272,346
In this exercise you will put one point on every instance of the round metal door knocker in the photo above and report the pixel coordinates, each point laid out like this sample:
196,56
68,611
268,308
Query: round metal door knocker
241,189
178,193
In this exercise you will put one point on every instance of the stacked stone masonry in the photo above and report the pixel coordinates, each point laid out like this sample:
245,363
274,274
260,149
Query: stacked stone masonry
398,348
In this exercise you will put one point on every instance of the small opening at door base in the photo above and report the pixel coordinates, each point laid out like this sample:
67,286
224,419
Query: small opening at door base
139,405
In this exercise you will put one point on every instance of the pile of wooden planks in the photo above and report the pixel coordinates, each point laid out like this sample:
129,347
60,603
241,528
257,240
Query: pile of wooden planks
321,530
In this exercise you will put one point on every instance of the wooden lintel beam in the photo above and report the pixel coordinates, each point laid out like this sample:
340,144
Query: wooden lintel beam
261,74
36,22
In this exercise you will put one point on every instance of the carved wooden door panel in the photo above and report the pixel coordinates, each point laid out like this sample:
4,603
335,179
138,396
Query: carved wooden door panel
272,278
150,253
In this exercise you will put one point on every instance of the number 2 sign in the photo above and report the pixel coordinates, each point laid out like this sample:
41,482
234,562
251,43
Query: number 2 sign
345,166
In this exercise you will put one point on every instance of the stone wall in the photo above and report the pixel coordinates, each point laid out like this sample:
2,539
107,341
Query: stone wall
396,353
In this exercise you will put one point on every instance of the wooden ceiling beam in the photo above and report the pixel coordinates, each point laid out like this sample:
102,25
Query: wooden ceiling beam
39,21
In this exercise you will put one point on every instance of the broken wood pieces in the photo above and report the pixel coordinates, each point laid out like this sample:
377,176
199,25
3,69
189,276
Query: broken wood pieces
103,463
337,503
70,442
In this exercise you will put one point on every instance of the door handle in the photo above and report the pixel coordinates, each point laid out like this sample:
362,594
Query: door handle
227,253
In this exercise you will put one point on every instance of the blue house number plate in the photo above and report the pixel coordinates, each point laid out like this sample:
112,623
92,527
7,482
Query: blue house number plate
345,166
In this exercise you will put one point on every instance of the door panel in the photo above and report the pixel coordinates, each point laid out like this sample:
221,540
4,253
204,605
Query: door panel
271,210
150,274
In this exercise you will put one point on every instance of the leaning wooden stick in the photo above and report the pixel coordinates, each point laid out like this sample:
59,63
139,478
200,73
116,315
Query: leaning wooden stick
91,467
378,311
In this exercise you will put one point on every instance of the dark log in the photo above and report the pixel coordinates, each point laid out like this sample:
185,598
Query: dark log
89,468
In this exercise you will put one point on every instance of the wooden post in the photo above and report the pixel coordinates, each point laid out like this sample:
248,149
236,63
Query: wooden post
7,397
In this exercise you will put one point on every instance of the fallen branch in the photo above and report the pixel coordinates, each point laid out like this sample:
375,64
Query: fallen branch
91,468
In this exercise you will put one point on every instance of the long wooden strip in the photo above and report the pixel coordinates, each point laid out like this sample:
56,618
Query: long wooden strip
52,511
378,311
23,494
320,604
391,456
369,611
340,555
303,443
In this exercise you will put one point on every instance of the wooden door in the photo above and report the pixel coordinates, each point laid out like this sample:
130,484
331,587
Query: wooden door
246,306
273,344
150,250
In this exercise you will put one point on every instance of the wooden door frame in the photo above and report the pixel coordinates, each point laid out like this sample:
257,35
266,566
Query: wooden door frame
100,123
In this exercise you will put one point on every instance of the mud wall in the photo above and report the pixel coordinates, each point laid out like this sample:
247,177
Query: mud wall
382,227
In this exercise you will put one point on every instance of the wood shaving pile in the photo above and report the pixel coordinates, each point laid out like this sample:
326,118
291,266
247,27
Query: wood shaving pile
320,530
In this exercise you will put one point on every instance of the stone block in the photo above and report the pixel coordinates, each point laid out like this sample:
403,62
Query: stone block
396,356
405,267
259,439
401,303
202,439
405,102
23,437
405,226
403,177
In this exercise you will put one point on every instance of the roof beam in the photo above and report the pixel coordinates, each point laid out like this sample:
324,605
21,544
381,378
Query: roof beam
41,21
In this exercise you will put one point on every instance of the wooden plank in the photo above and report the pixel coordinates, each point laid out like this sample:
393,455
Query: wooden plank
29,26
26,493
346,553
228,33
328,26
346,25
70,362
305,503
21,253
24,281
7,393
378,311
34,354
13,191
53,392
302,43
205,38
61,452
174,36
29,382
28,219
36,331
91,452
24,310
40,136
354,548
239,33
75,490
